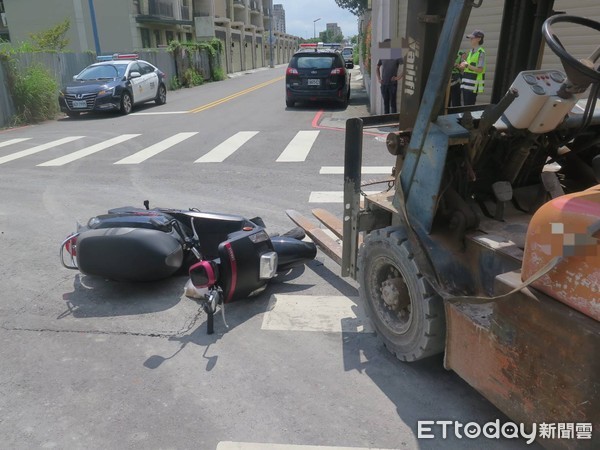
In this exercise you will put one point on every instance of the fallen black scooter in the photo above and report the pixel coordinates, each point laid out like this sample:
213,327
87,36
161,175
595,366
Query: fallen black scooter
236,255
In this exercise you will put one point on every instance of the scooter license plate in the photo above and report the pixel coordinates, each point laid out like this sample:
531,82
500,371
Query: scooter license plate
79,103
314,82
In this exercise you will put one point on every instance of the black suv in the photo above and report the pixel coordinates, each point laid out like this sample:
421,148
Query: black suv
314,75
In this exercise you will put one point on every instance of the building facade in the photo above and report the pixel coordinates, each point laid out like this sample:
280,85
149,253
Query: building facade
333,29
4,34
110,26
279,18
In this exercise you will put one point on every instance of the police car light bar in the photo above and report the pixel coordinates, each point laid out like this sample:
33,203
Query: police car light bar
117,56
309,45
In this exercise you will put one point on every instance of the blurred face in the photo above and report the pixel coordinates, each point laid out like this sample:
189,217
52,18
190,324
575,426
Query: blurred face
474,41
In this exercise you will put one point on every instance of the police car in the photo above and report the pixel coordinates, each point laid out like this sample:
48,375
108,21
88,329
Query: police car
116,82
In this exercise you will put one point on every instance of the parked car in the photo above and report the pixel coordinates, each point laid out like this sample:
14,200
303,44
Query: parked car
119,83
317,74
348,54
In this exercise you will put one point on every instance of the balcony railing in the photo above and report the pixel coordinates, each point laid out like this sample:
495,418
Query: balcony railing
162,9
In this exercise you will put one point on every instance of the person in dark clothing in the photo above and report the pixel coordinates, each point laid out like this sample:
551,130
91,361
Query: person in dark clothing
455,98
387,75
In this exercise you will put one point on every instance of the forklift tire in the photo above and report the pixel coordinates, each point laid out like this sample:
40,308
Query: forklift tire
406,312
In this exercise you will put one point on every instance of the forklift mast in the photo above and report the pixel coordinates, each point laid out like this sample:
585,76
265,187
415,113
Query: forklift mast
521,44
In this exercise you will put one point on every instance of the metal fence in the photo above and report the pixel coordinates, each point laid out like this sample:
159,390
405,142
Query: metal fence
7,109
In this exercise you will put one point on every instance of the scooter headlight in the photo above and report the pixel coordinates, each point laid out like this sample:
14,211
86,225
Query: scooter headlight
268,265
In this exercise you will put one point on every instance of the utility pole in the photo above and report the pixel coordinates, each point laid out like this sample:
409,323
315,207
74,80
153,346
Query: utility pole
272,64
94,27
315,27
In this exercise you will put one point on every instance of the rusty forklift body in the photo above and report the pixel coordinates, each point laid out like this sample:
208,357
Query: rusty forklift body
478,250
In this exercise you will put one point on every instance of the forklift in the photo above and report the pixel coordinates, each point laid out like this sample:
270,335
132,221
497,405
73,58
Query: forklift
485,242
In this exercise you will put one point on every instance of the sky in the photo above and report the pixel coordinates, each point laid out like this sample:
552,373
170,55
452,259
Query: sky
300,14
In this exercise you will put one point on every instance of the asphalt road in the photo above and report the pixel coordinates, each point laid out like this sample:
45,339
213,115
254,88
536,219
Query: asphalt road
93,364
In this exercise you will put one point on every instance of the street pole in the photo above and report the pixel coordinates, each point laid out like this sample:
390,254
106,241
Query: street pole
94,27
272,64
315,27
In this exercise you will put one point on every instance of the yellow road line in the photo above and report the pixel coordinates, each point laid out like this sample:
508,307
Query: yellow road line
236,95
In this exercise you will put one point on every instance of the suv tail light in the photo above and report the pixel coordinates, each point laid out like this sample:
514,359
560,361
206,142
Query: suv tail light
291,71
338,71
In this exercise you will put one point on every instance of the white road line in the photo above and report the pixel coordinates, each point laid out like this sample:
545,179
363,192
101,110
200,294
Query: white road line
372,170
227,445
228,147
37,149
298,149
328,314
12,141
331,196
155,149
88,151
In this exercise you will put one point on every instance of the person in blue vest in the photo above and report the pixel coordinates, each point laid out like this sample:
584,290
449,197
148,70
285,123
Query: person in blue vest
473,67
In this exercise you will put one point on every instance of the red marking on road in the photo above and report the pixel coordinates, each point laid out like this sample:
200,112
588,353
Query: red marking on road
317,120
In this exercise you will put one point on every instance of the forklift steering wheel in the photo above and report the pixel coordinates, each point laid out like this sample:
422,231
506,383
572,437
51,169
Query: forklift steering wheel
586,67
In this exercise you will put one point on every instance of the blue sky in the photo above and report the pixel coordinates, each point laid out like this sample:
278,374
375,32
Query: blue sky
299,16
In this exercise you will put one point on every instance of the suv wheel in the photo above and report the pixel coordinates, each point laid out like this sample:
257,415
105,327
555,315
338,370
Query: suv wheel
289,103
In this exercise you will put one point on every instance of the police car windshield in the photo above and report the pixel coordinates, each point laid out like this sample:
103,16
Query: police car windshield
102,72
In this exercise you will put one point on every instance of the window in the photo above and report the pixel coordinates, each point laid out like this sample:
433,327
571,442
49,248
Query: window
146,43
157,37
315,62
135,67
145,68
170,36
189,37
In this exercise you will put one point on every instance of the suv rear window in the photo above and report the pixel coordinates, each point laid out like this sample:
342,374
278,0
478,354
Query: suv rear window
314,62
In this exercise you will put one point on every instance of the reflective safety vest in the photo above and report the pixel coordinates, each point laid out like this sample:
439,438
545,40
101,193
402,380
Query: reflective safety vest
471,80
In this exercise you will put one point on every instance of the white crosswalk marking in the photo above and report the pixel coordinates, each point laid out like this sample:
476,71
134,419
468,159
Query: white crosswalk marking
298,149
325,313
88,151
227,148
367,170
13,141
331,196
155,149
37,149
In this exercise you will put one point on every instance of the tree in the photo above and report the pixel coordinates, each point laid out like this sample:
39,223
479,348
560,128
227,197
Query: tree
331,37
53,39
356,7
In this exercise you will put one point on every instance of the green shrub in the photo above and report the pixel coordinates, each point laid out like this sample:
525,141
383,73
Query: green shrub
35,94
174,83
218,74
191,77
